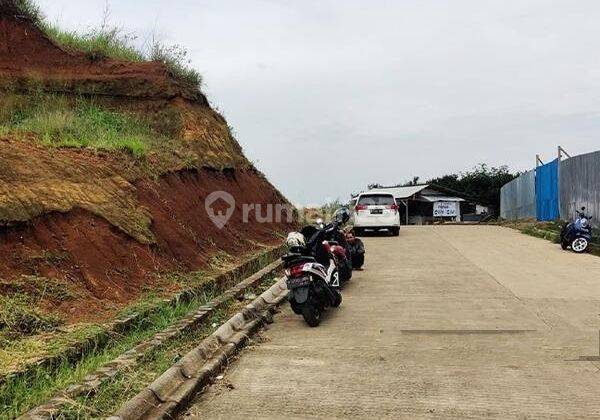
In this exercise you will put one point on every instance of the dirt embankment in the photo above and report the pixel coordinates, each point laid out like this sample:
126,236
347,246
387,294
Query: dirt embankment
28,56
105,223
108,268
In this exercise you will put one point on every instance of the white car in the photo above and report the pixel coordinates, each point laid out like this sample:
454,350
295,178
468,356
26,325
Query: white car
376,211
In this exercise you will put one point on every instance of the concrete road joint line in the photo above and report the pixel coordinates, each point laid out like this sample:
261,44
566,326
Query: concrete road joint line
463,256
171,392
466,331
132,357
498,282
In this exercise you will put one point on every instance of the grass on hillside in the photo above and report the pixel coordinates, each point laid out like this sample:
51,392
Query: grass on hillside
24,392
18,316
112,394
60,121
108,41
20,394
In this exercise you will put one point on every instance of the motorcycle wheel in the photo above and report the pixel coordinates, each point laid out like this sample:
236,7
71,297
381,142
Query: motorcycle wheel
337,299
579,245
295,307
311,314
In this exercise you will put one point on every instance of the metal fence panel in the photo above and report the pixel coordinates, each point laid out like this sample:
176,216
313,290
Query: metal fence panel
579,180
517,198
546,191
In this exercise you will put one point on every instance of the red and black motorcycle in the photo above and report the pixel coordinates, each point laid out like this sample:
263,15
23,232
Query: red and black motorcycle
333,241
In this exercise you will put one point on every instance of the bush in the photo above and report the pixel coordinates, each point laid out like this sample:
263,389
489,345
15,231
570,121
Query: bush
175,58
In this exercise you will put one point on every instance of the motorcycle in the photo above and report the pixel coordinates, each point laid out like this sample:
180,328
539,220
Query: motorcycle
335,242
310,283
577,234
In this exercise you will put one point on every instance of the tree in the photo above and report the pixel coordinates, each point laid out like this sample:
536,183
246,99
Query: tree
414,181
482,183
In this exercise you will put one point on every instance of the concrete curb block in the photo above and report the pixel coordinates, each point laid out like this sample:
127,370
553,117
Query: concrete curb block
172,391
123,325
131,357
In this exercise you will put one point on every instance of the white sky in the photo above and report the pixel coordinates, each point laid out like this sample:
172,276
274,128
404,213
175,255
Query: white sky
328,96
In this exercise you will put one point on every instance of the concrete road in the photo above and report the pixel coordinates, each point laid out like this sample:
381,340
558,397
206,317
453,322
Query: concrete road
454,321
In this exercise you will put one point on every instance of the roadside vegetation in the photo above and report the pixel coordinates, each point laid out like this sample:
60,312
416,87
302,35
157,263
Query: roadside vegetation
546,230
20,313
20,394
109,41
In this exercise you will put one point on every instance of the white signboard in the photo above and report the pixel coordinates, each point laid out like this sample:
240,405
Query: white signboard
445,209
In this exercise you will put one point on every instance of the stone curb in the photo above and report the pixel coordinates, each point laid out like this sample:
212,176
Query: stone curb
170,393
123,325
131,357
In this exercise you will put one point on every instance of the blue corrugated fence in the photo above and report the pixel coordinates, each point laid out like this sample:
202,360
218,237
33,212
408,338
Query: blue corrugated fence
546,191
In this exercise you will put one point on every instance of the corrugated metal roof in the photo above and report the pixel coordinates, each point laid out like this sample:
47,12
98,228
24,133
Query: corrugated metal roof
434,198
400,192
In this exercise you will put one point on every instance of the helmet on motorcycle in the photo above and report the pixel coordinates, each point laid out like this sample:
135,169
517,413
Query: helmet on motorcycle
342,215
295,239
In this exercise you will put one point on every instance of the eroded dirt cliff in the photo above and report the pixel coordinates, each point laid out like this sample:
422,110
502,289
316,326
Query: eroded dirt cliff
106,222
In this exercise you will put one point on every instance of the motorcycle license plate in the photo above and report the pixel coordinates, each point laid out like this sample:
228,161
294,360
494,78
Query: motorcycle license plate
376,211
297,282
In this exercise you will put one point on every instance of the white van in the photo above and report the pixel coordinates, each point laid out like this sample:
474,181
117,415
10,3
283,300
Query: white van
376,211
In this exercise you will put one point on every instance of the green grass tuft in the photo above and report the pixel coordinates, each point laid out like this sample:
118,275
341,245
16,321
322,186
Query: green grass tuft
30,10
58,122
19,316
97,44
175,58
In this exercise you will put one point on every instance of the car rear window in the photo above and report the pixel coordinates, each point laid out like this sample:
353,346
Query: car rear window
376,199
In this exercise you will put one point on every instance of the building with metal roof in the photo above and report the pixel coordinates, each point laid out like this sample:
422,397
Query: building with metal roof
427,203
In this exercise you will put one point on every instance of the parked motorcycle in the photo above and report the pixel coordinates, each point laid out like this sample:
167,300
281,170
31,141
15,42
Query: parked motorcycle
310,283
577,234
333,241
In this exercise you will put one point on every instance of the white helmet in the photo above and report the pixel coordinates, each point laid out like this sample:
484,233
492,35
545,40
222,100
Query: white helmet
295,239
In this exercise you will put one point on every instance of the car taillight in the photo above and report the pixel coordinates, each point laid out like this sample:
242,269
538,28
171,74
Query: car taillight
296,270
392,207
360,207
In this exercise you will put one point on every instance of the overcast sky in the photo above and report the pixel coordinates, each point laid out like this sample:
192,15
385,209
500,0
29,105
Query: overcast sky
328,96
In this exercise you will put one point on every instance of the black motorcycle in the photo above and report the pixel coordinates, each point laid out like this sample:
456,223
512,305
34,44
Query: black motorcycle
577,234
337,243
311,275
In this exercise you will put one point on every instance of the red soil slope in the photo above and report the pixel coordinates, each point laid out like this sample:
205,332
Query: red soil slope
103,264
72,230
27,54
